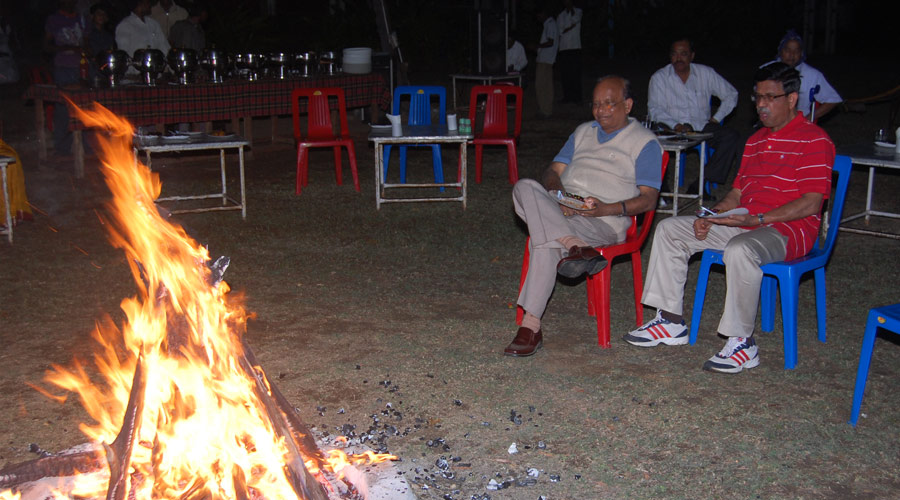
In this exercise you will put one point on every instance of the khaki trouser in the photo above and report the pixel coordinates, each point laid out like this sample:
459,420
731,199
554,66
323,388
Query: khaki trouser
543,87
744,252
546,224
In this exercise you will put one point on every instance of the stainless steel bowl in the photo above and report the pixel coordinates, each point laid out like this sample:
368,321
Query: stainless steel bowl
112,64
327,62
150,62
279,64
250,64
304,64
217,63
183,62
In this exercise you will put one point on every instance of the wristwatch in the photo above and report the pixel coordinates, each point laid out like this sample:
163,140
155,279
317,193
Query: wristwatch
762,218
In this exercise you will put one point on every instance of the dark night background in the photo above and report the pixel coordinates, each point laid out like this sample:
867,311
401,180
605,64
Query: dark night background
438,36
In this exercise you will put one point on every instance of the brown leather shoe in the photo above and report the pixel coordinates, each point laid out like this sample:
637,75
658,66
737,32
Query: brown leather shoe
581,260
525,344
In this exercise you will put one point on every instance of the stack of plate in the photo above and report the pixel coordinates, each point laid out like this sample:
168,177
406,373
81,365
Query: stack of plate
357,60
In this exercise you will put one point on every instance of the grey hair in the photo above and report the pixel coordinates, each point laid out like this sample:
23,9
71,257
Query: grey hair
625,82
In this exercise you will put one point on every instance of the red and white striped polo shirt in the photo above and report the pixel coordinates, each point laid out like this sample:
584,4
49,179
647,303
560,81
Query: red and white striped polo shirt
779,167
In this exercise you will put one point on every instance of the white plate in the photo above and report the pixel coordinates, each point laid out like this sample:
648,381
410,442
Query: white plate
664,137
884,144
146,140
567,200
381,127
175,139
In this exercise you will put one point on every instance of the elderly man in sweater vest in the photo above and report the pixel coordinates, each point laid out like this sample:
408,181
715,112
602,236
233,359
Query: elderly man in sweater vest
614,165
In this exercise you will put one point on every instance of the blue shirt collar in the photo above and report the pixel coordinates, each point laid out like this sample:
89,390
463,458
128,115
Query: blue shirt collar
602,136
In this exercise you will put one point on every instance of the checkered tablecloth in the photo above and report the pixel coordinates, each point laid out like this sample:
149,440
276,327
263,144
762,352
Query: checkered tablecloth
143,105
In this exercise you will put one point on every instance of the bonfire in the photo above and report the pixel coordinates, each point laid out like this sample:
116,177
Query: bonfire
183,409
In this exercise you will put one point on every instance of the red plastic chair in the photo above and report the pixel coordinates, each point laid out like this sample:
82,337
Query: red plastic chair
320,132
495,130
598,285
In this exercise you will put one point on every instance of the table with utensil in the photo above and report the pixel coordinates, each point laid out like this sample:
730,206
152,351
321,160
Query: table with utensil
413,135
873,156
201,102
199,142
676,143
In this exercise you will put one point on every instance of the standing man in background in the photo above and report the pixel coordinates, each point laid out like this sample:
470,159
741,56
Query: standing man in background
569,23
167,13
139,31
64,38
188,33
546,56
515,55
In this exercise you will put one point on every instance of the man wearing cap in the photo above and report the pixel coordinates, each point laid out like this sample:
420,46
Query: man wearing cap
790,52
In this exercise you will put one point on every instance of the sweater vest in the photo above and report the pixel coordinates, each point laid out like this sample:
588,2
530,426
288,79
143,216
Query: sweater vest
606,171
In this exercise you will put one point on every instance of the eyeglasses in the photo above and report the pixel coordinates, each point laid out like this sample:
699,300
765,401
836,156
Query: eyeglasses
762,98
606,106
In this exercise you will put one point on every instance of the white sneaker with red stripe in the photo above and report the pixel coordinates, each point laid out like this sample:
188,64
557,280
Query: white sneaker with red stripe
738,353
658,331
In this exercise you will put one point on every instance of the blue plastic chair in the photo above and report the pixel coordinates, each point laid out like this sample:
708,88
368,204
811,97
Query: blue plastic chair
812,102
788,276
709,186
420,110
888,318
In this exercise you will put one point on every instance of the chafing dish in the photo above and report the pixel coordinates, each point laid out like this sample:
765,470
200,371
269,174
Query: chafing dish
216,62
112,64
183,62
250,64
150,62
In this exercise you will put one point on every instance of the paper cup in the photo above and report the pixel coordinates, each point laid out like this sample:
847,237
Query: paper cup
451,122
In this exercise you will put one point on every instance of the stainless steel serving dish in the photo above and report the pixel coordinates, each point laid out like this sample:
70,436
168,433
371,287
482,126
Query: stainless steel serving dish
150,63
216,62
279,64
327,62
183,62
249,64
112,64
304,64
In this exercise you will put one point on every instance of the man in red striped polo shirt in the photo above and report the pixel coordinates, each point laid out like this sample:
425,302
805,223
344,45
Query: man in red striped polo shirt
784,177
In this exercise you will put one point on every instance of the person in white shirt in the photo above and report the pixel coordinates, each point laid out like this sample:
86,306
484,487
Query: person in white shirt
679,98
139,31
546,56
569,23
516,60
167,13
790,52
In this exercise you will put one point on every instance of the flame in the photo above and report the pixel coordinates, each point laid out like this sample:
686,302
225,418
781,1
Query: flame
202,423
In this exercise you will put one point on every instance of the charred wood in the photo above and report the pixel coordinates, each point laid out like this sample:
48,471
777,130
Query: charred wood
118,454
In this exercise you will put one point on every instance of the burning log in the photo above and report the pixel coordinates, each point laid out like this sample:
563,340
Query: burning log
15,475
305,485
118,454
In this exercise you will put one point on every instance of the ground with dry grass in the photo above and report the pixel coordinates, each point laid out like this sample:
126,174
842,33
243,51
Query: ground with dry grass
389,326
